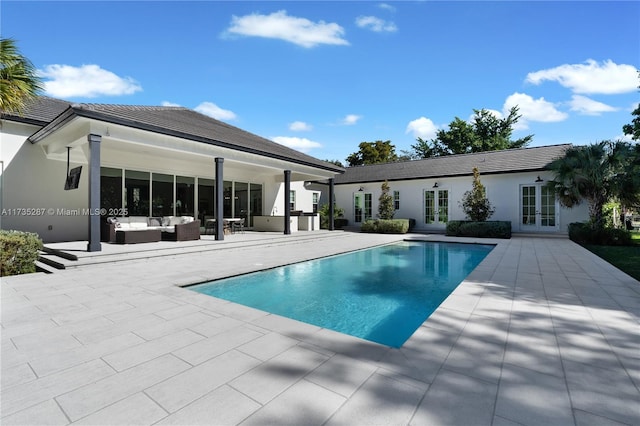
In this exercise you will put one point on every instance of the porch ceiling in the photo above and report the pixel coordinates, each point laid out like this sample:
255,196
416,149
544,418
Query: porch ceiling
128,147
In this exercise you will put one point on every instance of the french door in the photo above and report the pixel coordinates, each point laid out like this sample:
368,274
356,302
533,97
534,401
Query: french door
362,206
538,208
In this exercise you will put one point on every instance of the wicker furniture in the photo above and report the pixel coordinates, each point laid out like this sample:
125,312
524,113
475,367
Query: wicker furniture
183,232
170,228
133,236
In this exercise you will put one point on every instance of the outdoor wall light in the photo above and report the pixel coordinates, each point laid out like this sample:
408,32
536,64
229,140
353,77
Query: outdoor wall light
539,179
435,185
361,189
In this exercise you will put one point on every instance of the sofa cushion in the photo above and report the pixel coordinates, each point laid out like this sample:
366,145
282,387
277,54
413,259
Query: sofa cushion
186,219
154,221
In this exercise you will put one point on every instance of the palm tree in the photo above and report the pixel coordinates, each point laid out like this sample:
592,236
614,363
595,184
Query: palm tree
19,81
597,173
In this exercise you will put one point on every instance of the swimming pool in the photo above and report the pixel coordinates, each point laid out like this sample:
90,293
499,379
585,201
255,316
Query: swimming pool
381,294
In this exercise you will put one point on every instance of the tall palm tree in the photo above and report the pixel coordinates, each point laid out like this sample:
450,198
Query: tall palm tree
596,173
19,81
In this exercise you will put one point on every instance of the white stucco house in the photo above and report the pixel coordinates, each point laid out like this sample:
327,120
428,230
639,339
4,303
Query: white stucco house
64,167
430,190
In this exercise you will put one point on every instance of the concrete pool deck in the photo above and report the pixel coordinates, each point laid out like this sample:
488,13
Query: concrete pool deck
541,332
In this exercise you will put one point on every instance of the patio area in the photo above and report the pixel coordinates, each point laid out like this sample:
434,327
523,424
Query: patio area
541,332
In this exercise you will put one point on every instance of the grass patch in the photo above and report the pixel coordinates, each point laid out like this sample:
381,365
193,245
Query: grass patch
625,258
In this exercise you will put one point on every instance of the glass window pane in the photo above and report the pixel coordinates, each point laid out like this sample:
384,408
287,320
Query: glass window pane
429,207
443,206
227,204
368,212
255,203
206,199
241,200
162,195
136,187
357,207
185,196
111,189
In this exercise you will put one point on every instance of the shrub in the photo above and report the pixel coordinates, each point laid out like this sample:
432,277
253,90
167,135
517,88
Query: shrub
487,229
324,216
583,233
18,252
475,203
386,226
385,202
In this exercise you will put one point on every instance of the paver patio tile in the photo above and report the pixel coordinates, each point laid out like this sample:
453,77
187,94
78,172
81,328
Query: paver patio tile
589,419
95,396
456,399
275,375
22,396
15,375
119,328
178,311
188,386
304,403
268,346
206,349
52,363
341,374
137,409
43,414
151,332
292,328
223,406
213,326
134,355
381,400
533,398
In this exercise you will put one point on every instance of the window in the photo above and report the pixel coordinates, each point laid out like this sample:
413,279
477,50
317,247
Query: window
367,207
136,193
185,196
436,206
206,192
315,198
162,195
292,200
111,189
396,200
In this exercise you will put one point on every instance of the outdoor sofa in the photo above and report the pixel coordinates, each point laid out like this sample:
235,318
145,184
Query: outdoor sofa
142,229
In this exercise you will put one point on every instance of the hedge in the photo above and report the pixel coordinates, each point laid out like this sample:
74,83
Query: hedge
386,226
486,229
18,252
583,233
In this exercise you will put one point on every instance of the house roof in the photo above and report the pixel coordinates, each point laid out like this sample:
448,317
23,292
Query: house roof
491,162
174,121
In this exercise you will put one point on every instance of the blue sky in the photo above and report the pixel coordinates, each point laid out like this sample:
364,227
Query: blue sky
322,77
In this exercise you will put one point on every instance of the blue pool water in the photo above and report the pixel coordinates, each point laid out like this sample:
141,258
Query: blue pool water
382,294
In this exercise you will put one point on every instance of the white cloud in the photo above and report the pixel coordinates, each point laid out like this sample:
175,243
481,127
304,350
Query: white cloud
279,25
86,81
587,106
422,128
386,6
300,126
300,144
170,104
375,24
496,113
533,110
350,119
590,77
213,110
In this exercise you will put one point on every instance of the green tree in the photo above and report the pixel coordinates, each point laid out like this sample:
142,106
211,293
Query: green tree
386,209
485,132
475,203
373,153
633,129
597,173
19,81
335,162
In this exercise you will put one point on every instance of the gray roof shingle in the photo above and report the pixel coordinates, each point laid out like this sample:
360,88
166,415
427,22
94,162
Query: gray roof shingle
176,121
491,162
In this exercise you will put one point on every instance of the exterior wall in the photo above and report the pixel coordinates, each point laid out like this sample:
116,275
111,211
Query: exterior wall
503,191
31,181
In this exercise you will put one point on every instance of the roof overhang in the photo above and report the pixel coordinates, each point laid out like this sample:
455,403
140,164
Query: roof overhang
70,129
